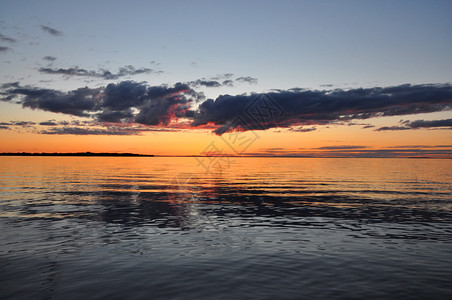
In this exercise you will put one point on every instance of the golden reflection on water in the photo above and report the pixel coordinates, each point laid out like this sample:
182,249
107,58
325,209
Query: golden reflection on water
183,180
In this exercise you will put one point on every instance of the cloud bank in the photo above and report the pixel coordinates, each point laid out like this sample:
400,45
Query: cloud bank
285,108
136,102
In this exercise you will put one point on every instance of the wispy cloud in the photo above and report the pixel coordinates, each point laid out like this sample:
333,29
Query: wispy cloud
105,74
89,131
222,80
99,128
51,31
302,129
223,76
7,39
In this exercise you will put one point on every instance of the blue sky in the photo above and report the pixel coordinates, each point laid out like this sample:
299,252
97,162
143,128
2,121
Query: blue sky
241,46
283,44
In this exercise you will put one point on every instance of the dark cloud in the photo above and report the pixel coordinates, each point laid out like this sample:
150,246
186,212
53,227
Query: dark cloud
165,104
4,49
6,39
124,95
10,85
420,146
51,30
49,58
299,109
48,123
341,147
314,107
364,153
392,153
115,116
419,124
126,101
4,127
105,74
23,123
76,71
350,123
206,83
247,79
430,124
77,102
409,146
387,128
161,91
228,82
368,126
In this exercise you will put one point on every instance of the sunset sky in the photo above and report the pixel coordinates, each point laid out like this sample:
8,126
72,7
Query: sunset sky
297,78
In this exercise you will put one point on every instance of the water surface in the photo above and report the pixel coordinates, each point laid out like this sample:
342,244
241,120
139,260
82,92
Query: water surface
232,228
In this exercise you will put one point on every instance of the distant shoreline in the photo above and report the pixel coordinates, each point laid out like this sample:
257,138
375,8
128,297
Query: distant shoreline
107,154
76,154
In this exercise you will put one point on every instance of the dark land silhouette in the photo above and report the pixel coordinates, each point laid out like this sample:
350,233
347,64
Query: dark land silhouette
74,154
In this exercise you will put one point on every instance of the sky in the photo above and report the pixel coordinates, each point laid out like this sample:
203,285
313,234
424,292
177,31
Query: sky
271,78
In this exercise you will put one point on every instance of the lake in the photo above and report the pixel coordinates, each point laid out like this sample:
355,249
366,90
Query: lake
225,228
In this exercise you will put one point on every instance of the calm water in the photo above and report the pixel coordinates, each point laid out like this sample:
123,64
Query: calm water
265,228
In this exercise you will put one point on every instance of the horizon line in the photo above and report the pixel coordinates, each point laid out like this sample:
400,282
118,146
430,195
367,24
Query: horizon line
126,154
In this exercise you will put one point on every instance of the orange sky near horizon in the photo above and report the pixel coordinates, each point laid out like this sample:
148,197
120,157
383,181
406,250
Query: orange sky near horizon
199,142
